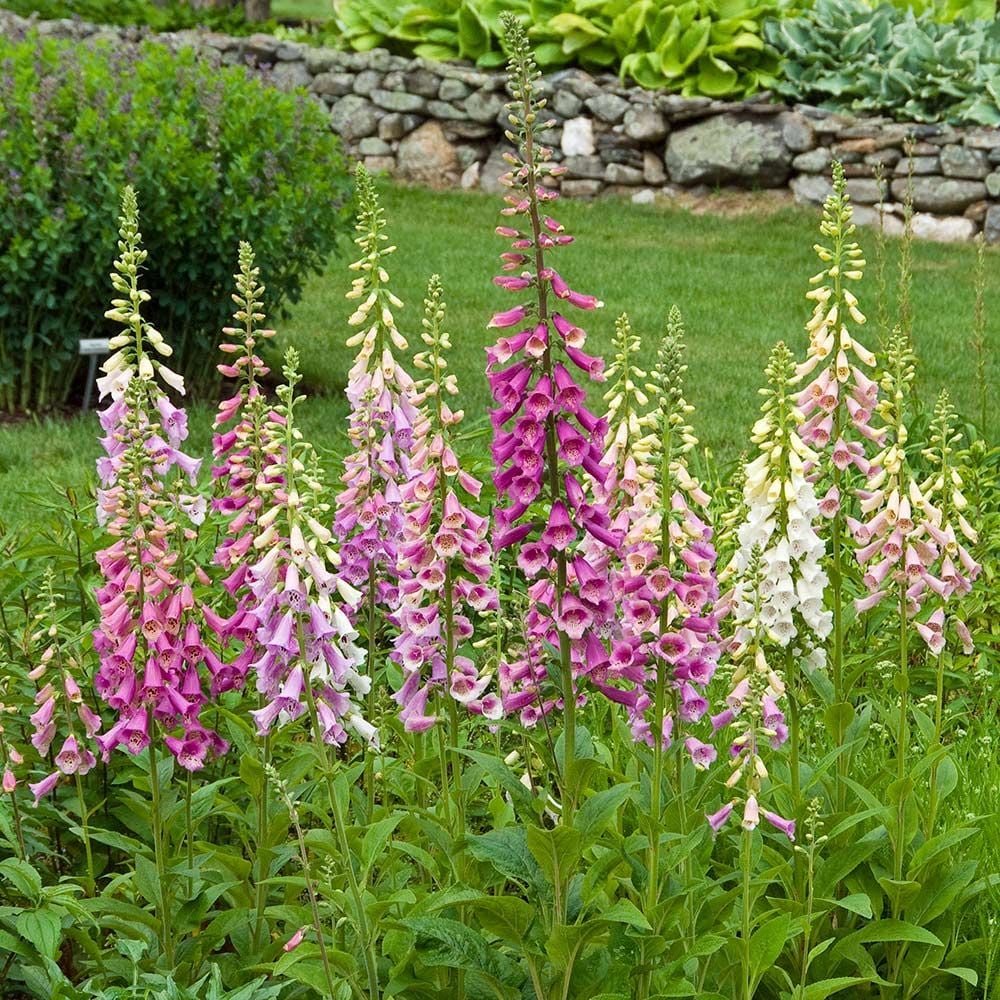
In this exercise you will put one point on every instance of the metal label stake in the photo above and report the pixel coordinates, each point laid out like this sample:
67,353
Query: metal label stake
92,349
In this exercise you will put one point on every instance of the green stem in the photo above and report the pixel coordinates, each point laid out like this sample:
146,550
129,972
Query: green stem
902,735
372,618
85,835
339,820
792,688
263,854
331,982
189,831
166,938
807,942
747,907
18,829
932,806
443,766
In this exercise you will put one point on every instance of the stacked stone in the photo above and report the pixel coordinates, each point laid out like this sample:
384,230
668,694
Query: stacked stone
442,124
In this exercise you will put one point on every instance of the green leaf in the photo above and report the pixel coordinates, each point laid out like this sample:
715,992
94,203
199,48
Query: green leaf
507,917
838,717
567,941
767,943
930,849
894,930
376,837
858,902
947,777
969,976
504,776
146,879
595,814
507,851
626,912
557,851
23,877
840,864
42,928
449,943
827,987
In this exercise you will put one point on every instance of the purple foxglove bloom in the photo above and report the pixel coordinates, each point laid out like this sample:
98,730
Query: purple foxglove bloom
786,826
717,820
42,788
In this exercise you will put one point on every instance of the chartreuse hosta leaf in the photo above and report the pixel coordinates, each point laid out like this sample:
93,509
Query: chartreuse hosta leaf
712,47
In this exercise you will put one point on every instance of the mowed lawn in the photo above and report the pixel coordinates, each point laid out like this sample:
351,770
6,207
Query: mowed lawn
739,282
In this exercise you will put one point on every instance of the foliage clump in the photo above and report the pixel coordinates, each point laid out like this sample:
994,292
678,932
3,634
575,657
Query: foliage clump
213,154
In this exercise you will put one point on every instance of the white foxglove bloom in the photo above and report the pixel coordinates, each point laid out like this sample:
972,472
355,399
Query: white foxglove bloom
780,524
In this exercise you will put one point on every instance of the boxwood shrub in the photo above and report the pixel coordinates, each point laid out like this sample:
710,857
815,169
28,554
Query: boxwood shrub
216,156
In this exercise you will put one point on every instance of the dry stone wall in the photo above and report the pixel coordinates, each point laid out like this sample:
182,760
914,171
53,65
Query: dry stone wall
442,124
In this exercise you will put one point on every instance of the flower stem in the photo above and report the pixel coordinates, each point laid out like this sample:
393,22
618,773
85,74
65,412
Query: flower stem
552,461
331,983
166,938
263,854
189,831
85,834
932,806
369,760
345,847
902,734
747,907
791,685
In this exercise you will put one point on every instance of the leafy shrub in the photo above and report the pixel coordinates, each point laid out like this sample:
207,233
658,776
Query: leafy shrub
712,47
172,16
214,152
843,54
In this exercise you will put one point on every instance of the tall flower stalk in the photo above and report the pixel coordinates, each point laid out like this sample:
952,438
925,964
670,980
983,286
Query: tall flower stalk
911,549
946,508
666,586
444,563
757,721
148,639
248,461
547,446
310,663
368,518
837,404
781,525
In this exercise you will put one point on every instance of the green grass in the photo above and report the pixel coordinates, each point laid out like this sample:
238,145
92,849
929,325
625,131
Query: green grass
738,281
307,10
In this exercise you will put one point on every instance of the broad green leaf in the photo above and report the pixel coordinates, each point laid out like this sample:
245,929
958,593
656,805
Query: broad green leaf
376,837
828,987
894,930
930,849
557,851
947,777
449,943
42,928
507,851
625,912
23,877
567,941
506,916
969,976
767,943
840,864
858,902
595,814
504,776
